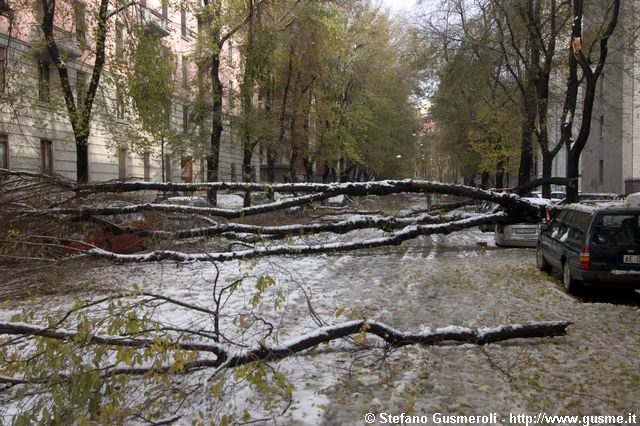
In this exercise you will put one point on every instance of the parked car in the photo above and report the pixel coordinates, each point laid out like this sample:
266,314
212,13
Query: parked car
593,243
519,234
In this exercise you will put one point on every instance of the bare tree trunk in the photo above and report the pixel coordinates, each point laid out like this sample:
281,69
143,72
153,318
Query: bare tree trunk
213,159
79,115
526,144
591,75
547,166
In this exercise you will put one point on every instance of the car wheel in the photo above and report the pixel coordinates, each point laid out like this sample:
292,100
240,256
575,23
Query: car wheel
541,262
571,285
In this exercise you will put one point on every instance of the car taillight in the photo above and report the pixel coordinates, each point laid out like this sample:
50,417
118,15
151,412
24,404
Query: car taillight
585,257
547,215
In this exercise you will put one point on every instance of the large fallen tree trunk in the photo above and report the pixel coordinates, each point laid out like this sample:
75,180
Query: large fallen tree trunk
228,357
318,192
398,229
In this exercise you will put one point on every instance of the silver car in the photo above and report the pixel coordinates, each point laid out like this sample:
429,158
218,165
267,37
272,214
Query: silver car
517,235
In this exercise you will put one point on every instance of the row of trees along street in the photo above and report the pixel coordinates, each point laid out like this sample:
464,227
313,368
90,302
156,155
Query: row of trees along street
337,79
336,72
506,69
318,81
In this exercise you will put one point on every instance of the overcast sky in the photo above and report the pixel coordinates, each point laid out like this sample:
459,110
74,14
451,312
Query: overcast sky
398,5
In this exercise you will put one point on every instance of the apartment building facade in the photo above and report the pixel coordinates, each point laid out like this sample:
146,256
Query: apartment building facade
610,161
35,130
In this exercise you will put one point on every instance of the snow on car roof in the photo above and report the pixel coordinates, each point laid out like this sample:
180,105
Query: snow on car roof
592,206
633,200
537,201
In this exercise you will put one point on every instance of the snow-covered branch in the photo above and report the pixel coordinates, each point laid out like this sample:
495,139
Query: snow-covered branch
23,329
227,357
394,337
393,239
340,227
511,202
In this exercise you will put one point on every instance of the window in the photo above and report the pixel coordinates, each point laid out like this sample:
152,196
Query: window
167,168
601,126
560,226
3,67
119,40
183,22
146,159
185,119
46,156
81,88
230,52
185,72
232,100
165,9
617,230
4,151
122,164
81,23
602,85
601,172
254,175
44,93
233,172
578,228
119,104
203,170
186,169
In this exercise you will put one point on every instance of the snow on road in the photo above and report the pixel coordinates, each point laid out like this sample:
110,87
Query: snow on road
430,282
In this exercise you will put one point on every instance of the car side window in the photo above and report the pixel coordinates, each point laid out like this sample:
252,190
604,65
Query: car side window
578,228
602,235
555,225
562,231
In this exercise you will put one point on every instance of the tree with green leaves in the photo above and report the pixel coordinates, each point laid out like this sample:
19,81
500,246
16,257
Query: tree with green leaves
343,93
473,105
79,108
219,22
143,74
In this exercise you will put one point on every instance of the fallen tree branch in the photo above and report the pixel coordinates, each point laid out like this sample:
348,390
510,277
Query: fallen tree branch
393,239
319,192
270,352
340,227
23,329
396,338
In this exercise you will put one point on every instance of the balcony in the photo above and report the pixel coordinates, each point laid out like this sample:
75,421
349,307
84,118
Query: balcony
154,22
68,44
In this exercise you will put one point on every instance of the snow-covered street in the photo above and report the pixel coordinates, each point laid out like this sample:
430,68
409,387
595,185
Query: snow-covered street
430,282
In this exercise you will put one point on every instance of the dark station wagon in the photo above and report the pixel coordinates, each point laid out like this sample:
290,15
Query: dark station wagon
593,244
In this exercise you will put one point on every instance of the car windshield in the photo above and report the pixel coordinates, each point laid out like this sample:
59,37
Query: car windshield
617,230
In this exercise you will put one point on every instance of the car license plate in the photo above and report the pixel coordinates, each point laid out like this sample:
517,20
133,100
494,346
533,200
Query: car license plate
527,231
631,258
